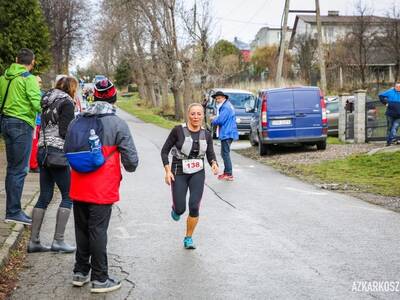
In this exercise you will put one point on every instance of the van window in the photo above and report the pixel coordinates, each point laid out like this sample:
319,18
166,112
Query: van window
241,100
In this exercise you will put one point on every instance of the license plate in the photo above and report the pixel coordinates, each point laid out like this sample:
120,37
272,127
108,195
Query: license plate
281,122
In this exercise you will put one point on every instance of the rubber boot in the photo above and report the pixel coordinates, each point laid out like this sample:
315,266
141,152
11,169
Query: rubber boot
58,243
34,242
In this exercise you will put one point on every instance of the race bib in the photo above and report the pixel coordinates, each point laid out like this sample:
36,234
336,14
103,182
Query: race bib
191,166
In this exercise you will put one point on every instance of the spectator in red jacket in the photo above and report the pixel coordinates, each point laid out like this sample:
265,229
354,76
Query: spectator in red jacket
94,193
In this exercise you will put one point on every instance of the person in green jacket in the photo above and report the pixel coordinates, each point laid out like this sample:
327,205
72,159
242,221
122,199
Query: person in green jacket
18,108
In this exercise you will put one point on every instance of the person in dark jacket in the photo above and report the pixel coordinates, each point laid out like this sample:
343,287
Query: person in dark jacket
391,98
57,113
189,143
95,192
226,131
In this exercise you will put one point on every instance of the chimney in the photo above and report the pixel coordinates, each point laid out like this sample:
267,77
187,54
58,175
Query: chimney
333,13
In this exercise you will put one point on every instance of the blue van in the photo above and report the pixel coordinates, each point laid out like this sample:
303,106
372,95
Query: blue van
289,116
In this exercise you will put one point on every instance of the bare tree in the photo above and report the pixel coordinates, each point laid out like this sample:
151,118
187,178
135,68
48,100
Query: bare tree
361,41
306,51
391,38
66,21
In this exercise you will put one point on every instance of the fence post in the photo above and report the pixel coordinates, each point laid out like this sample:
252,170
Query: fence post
359,116
342,116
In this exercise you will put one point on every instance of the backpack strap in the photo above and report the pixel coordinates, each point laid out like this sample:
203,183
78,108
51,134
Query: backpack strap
5,96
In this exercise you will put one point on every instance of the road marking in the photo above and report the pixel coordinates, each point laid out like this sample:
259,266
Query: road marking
306,192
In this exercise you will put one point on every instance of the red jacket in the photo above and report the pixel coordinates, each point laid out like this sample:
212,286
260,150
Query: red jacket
102,185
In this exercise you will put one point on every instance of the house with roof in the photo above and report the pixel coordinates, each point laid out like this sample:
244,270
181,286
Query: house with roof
244,49
269,36
335,27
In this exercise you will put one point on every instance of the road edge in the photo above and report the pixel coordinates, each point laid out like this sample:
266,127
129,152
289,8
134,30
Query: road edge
12,240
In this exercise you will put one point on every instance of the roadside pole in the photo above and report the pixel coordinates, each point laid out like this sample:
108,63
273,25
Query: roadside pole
321,52
278,79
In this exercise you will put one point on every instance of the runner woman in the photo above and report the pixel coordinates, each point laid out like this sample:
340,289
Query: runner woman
189,143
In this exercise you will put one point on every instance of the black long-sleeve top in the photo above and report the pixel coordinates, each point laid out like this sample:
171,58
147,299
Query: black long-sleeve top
177,138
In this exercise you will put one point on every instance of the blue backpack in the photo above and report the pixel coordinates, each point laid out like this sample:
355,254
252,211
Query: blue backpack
77,149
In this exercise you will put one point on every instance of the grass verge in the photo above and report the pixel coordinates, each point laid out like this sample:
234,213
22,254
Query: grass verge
135,107
377,174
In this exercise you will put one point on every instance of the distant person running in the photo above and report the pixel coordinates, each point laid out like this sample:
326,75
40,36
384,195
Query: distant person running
226,131
19,104
391,98
189,143
57,114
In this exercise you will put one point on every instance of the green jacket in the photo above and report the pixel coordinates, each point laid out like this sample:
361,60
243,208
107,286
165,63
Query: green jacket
23,100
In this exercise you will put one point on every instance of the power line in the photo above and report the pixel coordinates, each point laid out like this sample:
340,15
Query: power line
254,15
244,22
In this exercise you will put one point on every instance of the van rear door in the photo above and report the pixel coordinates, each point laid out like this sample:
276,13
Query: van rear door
308,112
280,114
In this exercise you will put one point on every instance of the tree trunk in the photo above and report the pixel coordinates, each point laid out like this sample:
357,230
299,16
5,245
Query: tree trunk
178,103
165,95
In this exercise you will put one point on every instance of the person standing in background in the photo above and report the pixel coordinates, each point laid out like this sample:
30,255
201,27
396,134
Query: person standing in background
33,163
20,103
226,131
391,98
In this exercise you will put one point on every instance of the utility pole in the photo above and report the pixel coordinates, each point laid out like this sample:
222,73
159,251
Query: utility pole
282,48
321,51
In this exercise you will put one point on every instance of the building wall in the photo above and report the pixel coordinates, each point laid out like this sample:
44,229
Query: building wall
269,37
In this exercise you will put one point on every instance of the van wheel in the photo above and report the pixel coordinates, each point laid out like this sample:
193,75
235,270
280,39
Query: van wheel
263,149
253,142
321,145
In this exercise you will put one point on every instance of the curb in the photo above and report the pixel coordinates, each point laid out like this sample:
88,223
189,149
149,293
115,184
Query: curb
11,242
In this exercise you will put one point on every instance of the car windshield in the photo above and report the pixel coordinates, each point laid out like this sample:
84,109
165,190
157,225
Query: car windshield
332,107
241,100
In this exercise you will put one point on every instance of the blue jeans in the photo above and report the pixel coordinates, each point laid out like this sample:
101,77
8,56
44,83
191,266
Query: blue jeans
393,125
48,178
226,156
18,138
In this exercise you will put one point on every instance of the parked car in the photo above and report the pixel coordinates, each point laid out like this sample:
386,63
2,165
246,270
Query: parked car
332,111
240,99
289,116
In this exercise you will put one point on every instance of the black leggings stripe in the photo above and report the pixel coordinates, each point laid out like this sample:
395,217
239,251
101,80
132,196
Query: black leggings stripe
195,184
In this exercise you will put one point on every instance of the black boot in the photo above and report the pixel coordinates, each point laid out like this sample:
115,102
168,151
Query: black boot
34,243
58,244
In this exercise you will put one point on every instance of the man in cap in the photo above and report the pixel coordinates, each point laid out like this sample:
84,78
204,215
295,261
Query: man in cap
95,192
226,131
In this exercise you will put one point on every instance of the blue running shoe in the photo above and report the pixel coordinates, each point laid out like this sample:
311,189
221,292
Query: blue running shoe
188,243
174,215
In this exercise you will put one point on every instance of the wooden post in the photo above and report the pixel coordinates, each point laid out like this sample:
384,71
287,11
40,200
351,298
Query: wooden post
278,78
321,52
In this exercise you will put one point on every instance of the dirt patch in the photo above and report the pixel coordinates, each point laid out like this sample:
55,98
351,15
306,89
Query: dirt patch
9,274
285,160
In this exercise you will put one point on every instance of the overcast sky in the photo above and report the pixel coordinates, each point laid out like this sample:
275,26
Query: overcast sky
243,18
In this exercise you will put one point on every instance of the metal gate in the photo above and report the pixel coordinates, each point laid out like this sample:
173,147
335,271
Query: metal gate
349,109
376,123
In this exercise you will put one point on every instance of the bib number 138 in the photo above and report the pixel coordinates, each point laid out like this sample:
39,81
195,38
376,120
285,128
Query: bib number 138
191,166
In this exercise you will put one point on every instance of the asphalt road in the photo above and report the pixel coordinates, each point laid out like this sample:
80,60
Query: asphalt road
263,236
